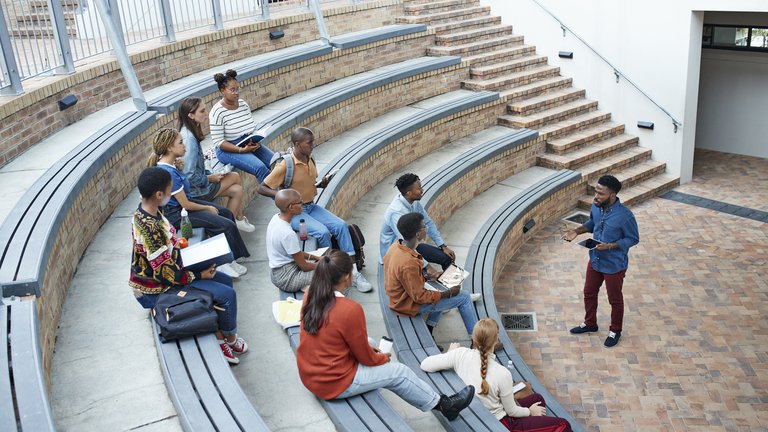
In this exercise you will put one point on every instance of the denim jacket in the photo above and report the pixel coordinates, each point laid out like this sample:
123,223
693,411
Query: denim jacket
616,224
194,165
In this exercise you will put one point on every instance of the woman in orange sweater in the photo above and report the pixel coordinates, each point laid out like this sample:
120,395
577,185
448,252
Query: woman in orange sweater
334,357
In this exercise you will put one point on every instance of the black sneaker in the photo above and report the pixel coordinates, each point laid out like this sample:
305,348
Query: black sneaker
612,339
451,406
583,328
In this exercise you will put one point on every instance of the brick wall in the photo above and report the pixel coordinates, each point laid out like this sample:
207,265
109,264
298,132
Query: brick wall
26,119
409,148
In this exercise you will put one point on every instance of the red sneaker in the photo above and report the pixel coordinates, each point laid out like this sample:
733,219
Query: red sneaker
228,354
238,346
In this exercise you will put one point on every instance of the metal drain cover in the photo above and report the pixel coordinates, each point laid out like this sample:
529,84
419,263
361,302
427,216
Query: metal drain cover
578,217
520,321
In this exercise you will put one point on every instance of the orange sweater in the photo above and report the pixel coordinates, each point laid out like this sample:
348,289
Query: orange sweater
328,361
404,281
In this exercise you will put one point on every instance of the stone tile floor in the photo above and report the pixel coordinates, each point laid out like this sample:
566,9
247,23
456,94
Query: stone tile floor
694,351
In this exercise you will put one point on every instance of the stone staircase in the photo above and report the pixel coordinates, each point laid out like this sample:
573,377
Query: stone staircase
578,135
33,18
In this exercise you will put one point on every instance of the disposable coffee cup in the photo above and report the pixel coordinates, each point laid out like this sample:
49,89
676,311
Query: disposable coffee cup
385,344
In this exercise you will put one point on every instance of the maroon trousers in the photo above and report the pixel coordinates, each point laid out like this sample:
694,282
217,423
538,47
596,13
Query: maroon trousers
613,285
538,423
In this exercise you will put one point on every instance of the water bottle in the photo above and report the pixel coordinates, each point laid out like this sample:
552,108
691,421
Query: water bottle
302,230
186,225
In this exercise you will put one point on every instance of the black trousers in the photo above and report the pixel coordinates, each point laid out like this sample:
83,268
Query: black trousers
224,222
434,255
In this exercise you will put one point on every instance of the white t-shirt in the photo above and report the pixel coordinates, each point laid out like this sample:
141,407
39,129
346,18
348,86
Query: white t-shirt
282,242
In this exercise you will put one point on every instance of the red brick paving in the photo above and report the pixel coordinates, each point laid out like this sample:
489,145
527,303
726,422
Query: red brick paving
694,351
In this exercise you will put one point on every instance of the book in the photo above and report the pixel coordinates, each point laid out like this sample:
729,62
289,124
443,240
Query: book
254,137
287,312
200,256
517,387
453,276
319,252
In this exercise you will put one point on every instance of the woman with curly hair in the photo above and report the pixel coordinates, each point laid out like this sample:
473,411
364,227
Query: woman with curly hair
478,367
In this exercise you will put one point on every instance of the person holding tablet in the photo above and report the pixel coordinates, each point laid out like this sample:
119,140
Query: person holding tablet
615,227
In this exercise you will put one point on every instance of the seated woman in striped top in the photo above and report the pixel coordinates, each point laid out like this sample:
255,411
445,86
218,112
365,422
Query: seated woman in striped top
231,121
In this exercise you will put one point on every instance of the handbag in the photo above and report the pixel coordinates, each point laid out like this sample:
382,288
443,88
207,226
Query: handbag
187,311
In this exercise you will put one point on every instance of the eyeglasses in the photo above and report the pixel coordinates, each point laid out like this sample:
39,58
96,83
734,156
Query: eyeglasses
234,90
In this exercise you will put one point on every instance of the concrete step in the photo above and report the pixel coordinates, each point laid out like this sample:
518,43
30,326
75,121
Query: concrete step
448,16
615,163
478,34
476,47
640,192
513,80
596,151
584,137
467,24
536,88
437,6
500,55
552,115
514,65
546,101
573,124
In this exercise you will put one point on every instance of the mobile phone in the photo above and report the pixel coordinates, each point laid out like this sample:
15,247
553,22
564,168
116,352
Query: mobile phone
589,243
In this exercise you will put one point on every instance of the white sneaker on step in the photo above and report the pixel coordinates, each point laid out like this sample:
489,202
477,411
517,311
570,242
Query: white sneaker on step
475,296
239,268
359,282
228,270
244,225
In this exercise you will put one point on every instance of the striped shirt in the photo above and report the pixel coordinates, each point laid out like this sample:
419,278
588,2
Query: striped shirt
228,125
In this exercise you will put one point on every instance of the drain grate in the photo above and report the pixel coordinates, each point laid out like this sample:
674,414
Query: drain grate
578,217
521,321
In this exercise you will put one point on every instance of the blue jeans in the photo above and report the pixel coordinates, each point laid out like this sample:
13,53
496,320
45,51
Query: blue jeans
397,378
255,162
321,224
462,301
224,297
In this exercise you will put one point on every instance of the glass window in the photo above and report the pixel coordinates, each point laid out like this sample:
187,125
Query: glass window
730,36
759,38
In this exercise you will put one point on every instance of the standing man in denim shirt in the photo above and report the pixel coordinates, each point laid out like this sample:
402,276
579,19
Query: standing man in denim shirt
408,201
615,227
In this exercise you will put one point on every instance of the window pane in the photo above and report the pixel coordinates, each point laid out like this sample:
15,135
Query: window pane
730,36
759,38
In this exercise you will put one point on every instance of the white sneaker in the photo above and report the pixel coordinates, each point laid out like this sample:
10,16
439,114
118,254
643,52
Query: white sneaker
474,296
228,270
244,225
239,268
359,282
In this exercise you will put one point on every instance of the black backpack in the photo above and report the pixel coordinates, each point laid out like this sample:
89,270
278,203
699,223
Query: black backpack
185,311
358,241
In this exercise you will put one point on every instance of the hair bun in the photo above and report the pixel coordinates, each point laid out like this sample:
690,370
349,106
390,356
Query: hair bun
327,259
218,77
231,73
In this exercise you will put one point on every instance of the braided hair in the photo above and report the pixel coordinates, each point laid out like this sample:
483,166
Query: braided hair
484,338
161,143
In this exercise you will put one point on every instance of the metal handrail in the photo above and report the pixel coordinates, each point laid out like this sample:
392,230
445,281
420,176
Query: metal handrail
618,73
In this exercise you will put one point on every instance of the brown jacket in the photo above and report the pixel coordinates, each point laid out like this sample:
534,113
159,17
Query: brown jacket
404,282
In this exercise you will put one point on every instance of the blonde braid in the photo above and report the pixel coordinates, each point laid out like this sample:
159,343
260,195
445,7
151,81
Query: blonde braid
484,337
483,371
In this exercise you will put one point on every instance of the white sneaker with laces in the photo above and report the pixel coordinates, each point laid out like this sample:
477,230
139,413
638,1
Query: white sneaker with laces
239,268
359,282
474,296
244,225
228,270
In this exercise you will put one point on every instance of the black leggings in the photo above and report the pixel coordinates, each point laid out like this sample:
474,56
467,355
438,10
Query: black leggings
224,222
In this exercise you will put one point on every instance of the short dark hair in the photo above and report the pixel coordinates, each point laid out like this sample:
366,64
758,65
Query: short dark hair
152,180
409,224
610,182
300,134
405,181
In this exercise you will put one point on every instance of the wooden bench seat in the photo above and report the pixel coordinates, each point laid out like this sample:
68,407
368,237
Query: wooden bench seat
365,412
24,402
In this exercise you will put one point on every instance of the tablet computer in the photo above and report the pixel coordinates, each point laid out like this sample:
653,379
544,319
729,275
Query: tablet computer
589,243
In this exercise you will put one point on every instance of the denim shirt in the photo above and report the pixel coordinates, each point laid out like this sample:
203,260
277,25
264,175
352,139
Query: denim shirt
617,225
194,165
390,234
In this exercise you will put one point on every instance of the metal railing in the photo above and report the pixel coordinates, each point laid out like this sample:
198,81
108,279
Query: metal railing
616,71
46,37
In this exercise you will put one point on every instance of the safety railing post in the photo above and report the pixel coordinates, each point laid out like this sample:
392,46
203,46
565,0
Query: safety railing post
61,37
8,64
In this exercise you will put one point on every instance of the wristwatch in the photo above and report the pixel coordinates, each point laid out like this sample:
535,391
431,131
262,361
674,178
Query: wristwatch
442,246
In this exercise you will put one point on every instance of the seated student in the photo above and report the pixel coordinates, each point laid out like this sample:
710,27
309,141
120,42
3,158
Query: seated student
478,367
204,185
409,201
291,269
231,120
156,262
321,223
168,149
404,278
334,357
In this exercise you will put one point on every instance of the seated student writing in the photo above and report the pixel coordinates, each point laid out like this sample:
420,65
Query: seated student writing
168,148
156,262
478,367
334,357
291,268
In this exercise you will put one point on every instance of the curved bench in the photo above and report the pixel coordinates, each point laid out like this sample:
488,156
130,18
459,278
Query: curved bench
23,397
355,39
352,162
365,412
484,262
293,116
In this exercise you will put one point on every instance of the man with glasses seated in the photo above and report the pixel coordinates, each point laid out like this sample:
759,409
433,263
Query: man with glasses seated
320,223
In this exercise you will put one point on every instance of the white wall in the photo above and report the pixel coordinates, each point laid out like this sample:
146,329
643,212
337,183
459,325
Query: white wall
655,43
733,102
